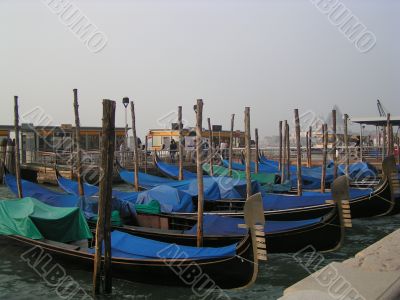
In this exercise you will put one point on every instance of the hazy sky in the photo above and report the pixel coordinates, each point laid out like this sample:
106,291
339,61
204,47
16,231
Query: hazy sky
273,56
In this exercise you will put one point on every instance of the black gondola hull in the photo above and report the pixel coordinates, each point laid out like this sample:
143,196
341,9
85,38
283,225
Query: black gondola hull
161,272
322,236
379,203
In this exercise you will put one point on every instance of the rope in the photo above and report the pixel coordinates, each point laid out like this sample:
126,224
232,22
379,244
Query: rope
382,199
245,259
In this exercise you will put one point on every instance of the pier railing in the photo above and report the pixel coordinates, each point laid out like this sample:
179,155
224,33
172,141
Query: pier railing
126,158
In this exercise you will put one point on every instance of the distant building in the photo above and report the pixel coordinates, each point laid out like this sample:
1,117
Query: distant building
58,138
159,137
5,131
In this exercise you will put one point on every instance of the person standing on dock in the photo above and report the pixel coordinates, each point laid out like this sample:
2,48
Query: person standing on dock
172,149
224,149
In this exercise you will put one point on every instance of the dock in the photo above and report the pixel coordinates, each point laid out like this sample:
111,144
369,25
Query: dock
372,274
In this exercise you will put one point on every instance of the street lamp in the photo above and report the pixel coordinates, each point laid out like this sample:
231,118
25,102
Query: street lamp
125,102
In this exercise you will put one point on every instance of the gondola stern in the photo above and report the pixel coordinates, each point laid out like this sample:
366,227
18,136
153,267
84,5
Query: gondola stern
390,175
255,223
341,197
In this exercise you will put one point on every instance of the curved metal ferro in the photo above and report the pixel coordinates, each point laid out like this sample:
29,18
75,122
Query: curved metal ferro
390,175
341,196
255,222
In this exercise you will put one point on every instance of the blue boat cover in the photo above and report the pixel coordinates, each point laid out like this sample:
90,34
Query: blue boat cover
217,225
310,180
274,163
170,199
173,171
89,205
43,194
270,201
176,196
357,171
311,177
309,198
146,181
211,189
71,187
215,188
124,245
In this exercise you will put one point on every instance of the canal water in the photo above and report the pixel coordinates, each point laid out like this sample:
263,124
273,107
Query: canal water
19,281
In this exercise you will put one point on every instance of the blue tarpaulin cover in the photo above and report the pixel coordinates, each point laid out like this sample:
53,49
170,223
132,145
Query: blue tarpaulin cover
146,181
71,187
170,199
312,176
124,245
215,188
279,202
173,171
88,205
358,170
217,225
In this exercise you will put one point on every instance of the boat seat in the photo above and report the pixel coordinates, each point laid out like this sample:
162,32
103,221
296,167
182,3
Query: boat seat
61,245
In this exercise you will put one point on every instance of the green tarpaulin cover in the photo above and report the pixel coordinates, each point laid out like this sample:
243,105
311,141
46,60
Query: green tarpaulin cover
153,207
262,178
115,218
33,219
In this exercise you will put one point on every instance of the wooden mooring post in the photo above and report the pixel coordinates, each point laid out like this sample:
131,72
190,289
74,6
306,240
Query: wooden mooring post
392,140
146,147
310,145
324,156
211,147
17,154
384,142
199,168
280,146
135,149
231,145
247,137
284,155
388,136
77,143
103,228
346,145
3,153
361,142
288,150
298,152
10,156
334,145
398,146
256,159
307,150
180,143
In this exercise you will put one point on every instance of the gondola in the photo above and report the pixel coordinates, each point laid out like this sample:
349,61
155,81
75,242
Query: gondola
361,173
283,236
141,260
268,182
171,171
215,188
322,234
364,202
